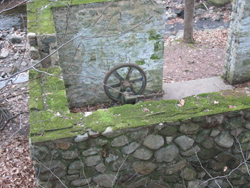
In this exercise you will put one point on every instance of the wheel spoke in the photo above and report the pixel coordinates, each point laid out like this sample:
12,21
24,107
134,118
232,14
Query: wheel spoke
137,80
119,96
115,85
132,89
129,72
134,77
117,75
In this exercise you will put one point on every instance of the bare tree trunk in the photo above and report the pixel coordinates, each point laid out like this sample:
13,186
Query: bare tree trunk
188,21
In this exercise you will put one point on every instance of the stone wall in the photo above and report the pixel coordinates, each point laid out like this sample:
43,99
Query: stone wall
127,32
155,143
238,51
177,154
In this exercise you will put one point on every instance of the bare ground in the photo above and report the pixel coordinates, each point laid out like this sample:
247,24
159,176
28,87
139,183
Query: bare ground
203,59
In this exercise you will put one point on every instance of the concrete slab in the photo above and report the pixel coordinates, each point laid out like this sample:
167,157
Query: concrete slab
180,90
20,78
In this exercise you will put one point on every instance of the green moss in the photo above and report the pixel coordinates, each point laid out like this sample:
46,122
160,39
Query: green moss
56,122
159,45
141,62
40,17
246,62
157,55
49,111
35,91
59,134
164,111
153,35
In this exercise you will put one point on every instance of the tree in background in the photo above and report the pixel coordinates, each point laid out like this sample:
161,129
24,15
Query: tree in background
188,21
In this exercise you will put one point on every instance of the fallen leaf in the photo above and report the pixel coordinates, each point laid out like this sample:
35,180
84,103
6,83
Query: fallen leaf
216,102
225,169
232,106
182,102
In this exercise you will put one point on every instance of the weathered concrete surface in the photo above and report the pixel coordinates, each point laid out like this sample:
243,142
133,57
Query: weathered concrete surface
237,68
128,32
180,90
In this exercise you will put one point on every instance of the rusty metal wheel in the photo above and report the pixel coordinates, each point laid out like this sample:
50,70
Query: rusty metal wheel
124,77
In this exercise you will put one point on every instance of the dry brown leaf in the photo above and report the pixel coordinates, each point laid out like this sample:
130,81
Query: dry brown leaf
182,103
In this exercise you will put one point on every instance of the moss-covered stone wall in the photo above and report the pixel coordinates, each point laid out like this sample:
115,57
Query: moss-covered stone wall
127,32
237,66
155,143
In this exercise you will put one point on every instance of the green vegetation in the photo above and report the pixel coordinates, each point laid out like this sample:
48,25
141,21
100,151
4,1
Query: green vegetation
153,35
51,119
40,17
154,112
141,62
157,55
159,45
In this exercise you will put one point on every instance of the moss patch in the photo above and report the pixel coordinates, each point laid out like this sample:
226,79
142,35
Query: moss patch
154,112
141,62
157,55
153,35
53,121
40,17
49,113
246,62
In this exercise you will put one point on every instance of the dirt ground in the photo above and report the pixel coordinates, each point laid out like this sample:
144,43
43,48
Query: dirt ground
203,59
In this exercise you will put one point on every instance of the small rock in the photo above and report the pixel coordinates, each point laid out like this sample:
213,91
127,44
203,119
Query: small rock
191,151
100,142
217,18
215,132
154,142
91,151
100,168
130,148
75,167
179,35
69,155
109,133
167,154
143,154
119,141
34,53
81,182
93,134
24,63
105,180
72,177
169,139
3,74
81,138
111,158
16,39
189,173
4,53
93,160
174,168
224,140
16,56
184,142
63,145
144,167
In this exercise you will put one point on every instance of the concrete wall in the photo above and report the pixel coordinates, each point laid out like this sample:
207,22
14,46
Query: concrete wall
237,68
109,42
